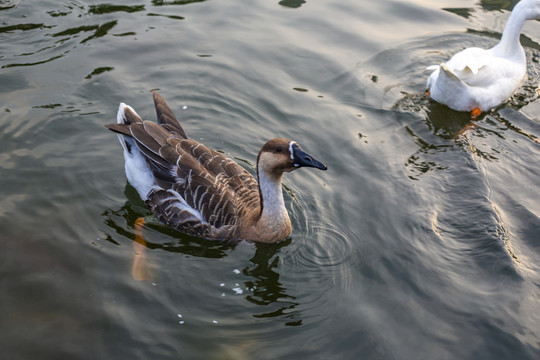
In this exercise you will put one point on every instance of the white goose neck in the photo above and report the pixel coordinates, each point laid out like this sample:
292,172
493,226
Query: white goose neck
509,45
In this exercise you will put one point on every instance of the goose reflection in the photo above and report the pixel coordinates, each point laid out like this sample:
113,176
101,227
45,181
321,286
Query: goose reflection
439,130
263,284
135,208
449,124
266,288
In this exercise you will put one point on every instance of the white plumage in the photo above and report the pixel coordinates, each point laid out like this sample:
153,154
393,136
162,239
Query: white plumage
478,79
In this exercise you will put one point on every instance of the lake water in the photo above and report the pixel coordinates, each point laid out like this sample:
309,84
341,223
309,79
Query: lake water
421,241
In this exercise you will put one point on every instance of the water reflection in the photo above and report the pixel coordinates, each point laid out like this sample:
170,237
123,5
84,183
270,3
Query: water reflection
292,3
505,118
5,5
442,130
266,289
463,12
99,70
263,287
497,5
110,8
447,123
22,27
99,31
54,49
488,5
174,2
173,17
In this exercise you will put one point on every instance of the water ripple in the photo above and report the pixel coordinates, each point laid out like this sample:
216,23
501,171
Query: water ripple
329,248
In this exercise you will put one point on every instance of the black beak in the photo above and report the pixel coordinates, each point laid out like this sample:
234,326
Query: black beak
302,158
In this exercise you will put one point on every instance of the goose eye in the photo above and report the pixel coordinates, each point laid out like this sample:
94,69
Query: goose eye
278,149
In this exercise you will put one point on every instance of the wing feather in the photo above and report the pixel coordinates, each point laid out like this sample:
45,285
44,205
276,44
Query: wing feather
157,132
166,117
143,138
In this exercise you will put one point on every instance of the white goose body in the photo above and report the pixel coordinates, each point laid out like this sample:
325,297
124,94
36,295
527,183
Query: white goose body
482,79
201,192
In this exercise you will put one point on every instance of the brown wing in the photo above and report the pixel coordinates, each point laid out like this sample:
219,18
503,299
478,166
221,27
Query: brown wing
208,182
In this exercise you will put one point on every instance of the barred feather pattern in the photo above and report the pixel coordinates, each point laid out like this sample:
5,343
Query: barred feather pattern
209,194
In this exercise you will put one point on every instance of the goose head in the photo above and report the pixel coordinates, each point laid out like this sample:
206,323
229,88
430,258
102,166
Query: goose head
276,157
283,155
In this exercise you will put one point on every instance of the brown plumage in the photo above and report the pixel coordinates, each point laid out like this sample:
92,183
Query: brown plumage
202,192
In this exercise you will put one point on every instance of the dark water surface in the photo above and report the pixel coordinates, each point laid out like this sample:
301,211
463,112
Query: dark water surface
421,241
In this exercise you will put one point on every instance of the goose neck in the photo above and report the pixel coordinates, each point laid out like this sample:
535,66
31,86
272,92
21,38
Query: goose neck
271,195
509,44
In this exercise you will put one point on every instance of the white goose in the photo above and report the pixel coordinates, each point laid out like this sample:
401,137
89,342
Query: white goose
477,79
202,192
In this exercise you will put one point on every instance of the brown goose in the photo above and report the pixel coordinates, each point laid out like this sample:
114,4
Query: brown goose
202,192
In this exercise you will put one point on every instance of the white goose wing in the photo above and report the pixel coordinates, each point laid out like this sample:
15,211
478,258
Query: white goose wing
474,66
